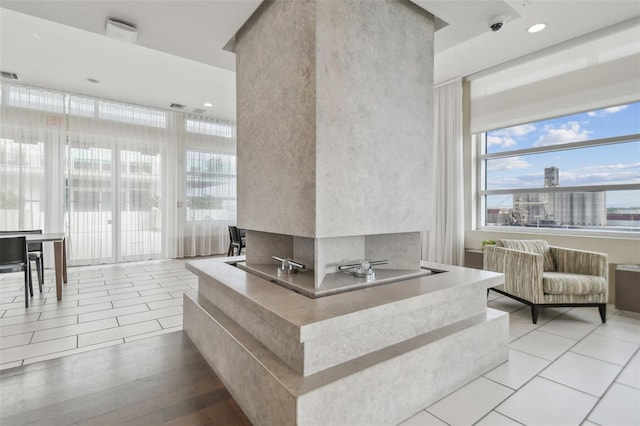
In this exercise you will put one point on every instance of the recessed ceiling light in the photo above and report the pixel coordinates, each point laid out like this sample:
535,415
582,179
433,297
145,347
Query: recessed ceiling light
536,27
208,104
93,80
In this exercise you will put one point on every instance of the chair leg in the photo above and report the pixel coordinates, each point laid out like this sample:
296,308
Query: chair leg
40,272
230,250
534,314
30,281
26,287
603,312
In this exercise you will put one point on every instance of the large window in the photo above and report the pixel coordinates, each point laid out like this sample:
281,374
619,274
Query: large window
125,182
211,186
579,172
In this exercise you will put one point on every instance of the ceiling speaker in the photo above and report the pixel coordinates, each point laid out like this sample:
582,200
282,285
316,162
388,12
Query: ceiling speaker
121,31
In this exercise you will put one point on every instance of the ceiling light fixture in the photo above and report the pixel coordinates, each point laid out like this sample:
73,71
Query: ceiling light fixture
536,27
208,104
121,31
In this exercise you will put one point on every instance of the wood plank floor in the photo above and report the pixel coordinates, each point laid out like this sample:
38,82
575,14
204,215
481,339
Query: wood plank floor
153,381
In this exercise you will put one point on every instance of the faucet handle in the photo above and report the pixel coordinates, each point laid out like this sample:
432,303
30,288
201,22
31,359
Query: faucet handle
288,266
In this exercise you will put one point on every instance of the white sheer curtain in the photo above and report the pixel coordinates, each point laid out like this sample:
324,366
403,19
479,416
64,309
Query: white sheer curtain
207,167
125,182
445,241
116,163
32,138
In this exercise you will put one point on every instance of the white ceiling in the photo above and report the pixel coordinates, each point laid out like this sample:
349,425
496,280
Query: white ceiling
179,56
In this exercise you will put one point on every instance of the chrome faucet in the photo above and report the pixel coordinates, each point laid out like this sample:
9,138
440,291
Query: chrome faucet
287,266
364,268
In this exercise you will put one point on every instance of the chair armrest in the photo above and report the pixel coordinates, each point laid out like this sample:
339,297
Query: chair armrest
522,271
580,262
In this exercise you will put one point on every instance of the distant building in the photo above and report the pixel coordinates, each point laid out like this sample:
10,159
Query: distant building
556,208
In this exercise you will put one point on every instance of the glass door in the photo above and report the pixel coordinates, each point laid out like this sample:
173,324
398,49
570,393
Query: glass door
90,184
140,213
104,227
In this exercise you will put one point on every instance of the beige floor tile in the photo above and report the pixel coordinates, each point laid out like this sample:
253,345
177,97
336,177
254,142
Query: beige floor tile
518,370
38,325
165,303
606,348
19,319
153,333
623,330
619,406
543,345
109,298
149,315
112,313
72,351
37,349
496,419
478,398
74,311
423,418
542,402
165,290
569,370
138,300
567,326
15,340
75,329
81,297
8,365
630,376
117,333
170,322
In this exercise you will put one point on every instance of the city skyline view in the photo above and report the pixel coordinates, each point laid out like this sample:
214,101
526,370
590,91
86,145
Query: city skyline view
600,165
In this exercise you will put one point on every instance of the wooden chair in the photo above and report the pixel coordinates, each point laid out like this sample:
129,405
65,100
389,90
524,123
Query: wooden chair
236,241
14,258
36,253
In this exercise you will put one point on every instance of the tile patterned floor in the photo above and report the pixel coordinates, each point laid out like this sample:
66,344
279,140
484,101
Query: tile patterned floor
569,369
101,306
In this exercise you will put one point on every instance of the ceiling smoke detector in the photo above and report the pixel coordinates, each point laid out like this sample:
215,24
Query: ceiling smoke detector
121,31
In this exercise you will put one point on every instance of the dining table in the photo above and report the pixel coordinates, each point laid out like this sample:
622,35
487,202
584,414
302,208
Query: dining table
59,252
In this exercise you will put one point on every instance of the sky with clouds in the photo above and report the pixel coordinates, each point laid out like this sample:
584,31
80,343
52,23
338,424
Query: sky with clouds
598,165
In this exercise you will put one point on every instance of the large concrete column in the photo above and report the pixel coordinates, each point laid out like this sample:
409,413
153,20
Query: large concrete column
334,131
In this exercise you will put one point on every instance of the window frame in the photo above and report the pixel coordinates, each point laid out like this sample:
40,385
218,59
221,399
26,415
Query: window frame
188,173
479,140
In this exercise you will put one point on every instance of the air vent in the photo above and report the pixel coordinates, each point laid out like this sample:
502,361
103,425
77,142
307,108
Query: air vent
177,106
199,111
10,75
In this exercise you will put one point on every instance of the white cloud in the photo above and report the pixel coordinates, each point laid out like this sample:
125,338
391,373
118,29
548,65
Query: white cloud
606,111
608,174
505,142
510,163
568,132
521,130
612,167
506,138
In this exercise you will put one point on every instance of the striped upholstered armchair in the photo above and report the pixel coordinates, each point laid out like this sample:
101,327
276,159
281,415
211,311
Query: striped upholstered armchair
541,275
